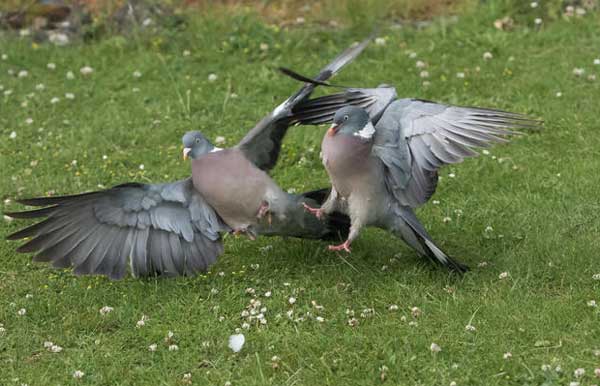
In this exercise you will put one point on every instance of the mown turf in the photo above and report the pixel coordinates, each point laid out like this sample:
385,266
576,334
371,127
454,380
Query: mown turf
538,196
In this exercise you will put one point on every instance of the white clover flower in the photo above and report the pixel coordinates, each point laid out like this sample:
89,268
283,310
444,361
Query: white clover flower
412,55
435,348
4,56
54,100
380,41
22,312
503,275
86,70
488,229
173,347
578,373
7,92
597,372
446,219
424,74
534,4
469,327
29,121
353,322
546,367
264,46
137,74
577,71
219,140
212,77
152,347
596,276
460,75
141,167
245,326
420,64
78,374
592,303
487,55
55,348
51,66
70,95
435,202
268,294
320,319
451,175
482,264
393,307
186,53
23,74
597,61
507,355
538,21
214,291
40,87
2,330
558,94
70,75
48,344
106,310
292,300
170,335
236,342
415,312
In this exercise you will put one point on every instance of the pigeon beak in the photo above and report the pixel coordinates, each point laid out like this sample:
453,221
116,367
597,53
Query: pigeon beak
186,152
332,129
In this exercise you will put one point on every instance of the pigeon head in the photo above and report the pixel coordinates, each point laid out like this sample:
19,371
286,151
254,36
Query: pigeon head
352,120
195,144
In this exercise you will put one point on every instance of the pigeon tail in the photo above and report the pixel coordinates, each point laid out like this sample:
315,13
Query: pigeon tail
407,226
299,223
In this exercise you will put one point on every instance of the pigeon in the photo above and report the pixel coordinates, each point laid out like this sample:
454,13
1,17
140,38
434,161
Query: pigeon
383,154
176,228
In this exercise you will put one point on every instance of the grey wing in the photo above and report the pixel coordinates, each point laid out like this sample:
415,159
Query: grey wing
262,144
321,110
414,138
164,229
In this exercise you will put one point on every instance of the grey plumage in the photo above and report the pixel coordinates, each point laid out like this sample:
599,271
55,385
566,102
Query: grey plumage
174,229
166,228
381,172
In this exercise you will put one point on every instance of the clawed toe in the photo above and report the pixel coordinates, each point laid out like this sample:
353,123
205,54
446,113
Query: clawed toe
318,212
345,246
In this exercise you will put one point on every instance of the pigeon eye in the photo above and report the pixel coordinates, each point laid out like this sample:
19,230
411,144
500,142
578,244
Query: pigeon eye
345,117
197,140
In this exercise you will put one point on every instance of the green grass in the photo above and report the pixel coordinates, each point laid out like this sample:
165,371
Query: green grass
539,194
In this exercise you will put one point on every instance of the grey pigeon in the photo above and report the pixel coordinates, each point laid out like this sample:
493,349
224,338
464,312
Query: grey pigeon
383,154
175,228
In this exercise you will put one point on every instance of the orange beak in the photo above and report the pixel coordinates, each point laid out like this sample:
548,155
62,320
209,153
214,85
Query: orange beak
186,152
332,129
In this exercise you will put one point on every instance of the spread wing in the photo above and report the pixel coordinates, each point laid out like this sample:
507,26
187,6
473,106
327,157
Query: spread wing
321,110
414,138
165,229
262,144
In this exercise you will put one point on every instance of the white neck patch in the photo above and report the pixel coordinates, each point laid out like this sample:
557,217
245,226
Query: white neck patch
215,149
366,132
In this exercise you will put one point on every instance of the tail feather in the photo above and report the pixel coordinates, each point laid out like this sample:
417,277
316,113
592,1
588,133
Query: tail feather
297,222
407,226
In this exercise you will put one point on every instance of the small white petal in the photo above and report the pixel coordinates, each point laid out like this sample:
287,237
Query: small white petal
212,77
78,374
435,348
236,342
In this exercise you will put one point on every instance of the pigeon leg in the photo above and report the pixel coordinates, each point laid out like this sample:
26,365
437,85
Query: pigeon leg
344,246
245,232
318,212
263,210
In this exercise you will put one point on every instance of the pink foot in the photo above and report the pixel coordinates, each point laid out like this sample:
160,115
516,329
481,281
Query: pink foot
243,231
318,212
345,246
263,209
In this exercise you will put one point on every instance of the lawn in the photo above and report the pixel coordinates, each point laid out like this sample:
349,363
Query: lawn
524,216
